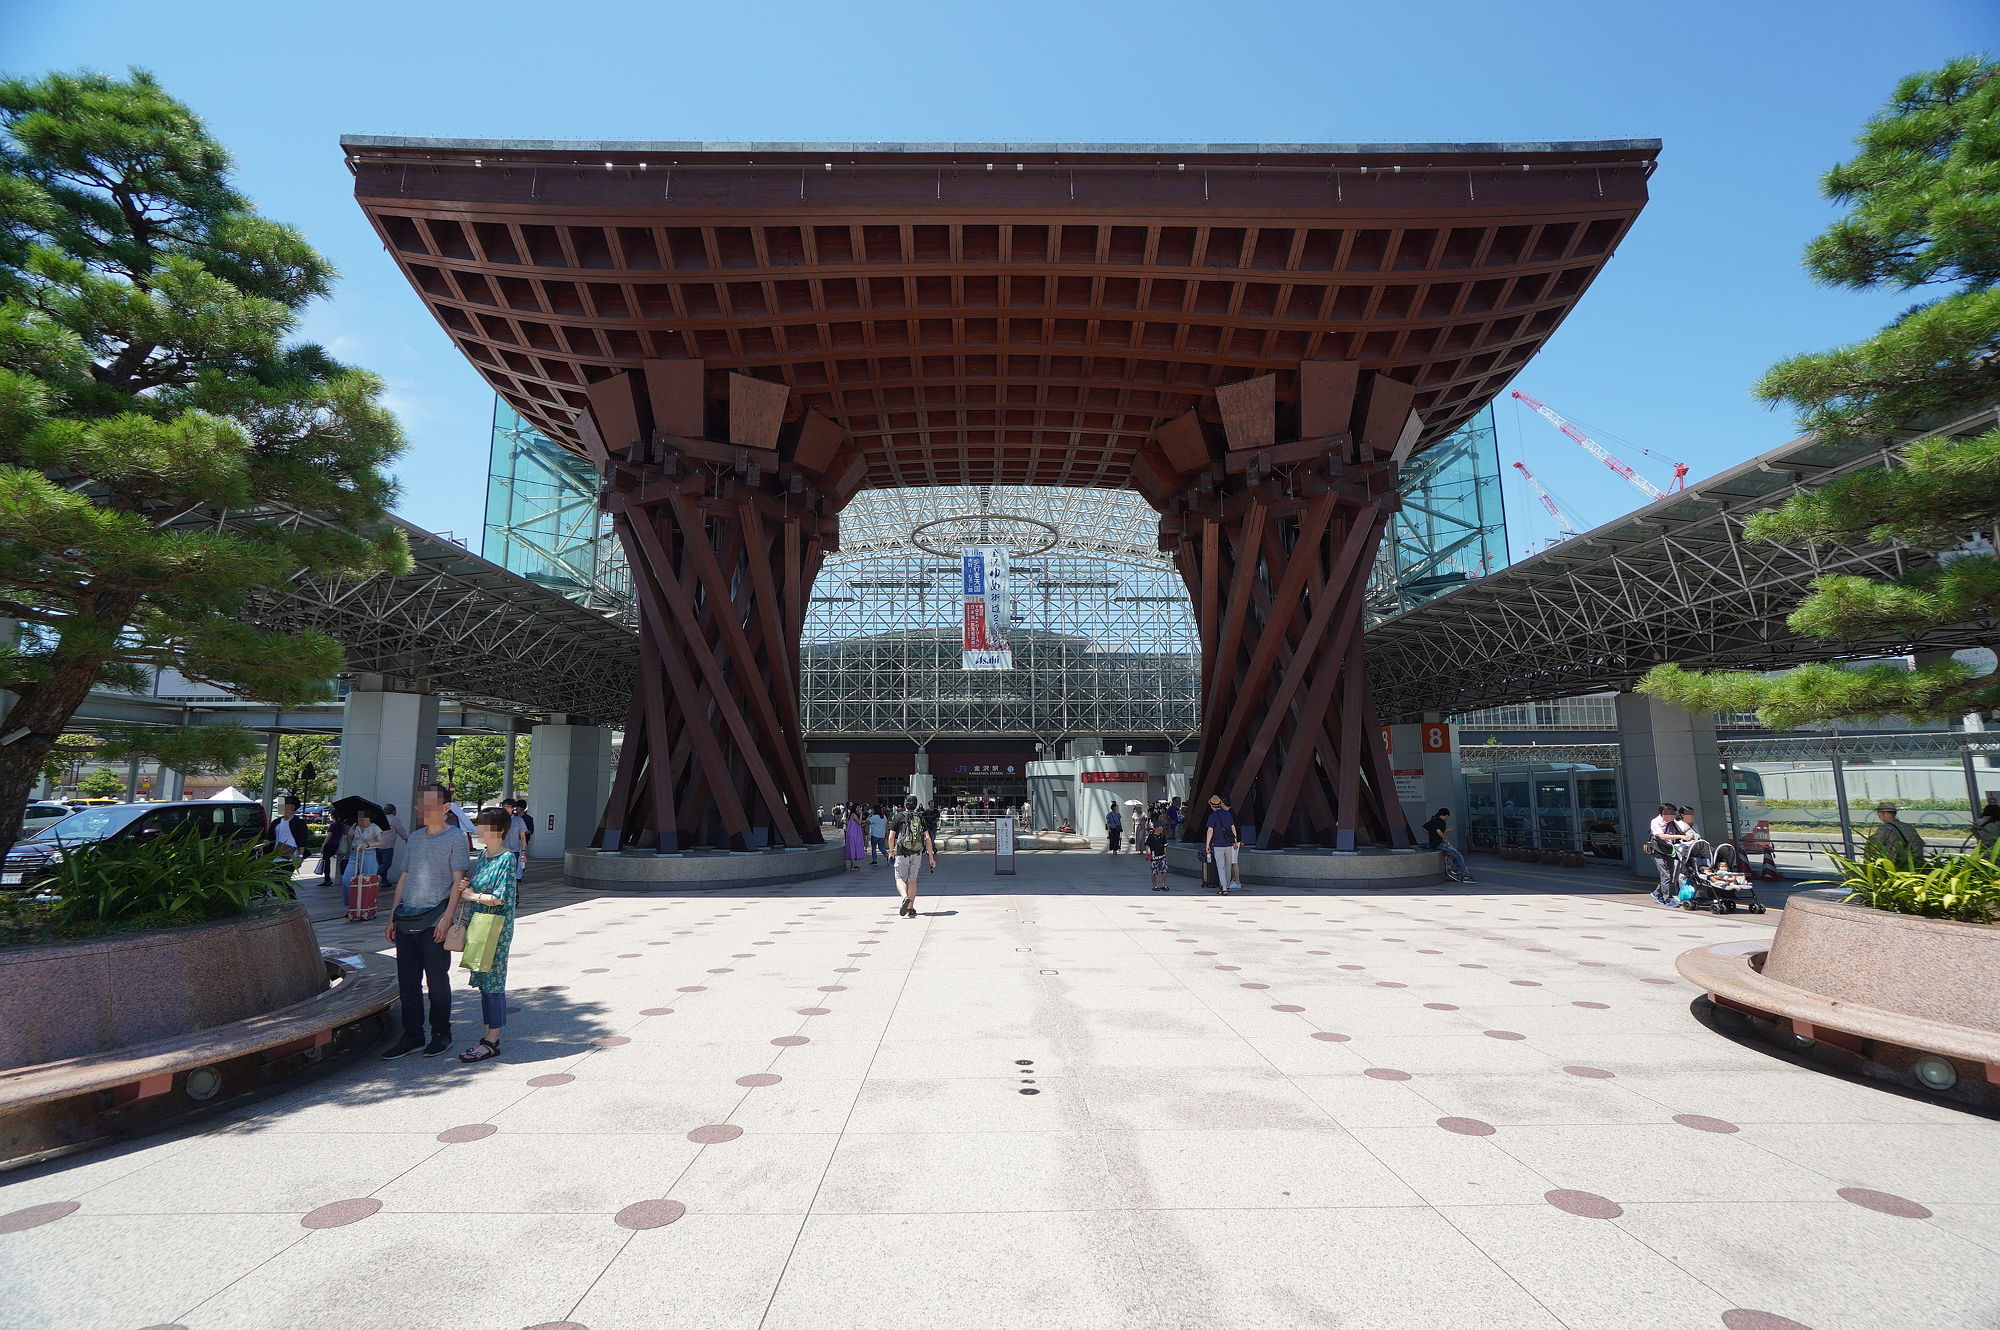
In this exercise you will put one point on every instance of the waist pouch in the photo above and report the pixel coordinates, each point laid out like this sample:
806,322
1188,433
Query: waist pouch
421,921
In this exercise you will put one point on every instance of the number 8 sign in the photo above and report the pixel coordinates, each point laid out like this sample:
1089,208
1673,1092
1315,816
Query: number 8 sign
1437,739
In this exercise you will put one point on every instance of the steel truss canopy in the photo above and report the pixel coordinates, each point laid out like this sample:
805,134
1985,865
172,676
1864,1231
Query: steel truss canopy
458,626
1676,582
998,313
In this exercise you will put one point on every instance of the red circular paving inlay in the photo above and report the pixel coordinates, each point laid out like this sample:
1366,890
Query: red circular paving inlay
560,1325
611,1041
758,1079
553,1078
1524,983
1594,1006
1744,1318
1442,1006
1883,1202
1387,1074
1286,1006
656,1011
815,1011
1702,1123
1389,983
1253,985
1502,1034
833,988
1468,965
715,1133
602,969
1657,981
1430,953
1590,1073
1330,1037
342,1213
1587,1204
692,988
1228,967
36,1215
790,1040
1467,1126
471,1131
649,1214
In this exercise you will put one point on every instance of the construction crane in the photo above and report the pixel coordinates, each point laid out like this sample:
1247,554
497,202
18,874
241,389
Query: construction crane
1595,449
1565,528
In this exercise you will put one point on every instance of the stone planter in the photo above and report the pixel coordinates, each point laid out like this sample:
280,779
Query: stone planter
1902,998
1933,969
73,999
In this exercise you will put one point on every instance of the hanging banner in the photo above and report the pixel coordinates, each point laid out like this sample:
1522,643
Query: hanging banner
986,577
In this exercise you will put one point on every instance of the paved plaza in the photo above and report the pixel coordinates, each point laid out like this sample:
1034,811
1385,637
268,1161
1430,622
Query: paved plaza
1054,1100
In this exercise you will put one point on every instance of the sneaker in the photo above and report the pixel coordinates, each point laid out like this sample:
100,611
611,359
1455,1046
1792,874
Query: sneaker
438,1044
408,1043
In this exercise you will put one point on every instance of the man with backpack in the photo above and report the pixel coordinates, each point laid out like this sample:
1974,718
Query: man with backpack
930,829
910,840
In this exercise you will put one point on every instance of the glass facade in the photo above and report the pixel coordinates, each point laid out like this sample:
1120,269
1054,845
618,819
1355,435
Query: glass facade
1103,631
1453,527
542,520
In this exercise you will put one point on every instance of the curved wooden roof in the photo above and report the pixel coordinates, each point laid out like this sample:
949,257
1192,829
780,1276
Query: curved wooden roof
987,314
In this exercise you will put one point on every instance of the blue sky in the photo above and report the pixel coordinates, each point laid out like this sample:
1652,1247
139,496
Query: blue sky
1754,99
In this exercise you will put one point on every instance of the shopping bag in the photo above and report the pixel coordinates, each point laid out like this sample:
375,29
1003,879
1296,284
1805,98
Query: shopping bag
482,940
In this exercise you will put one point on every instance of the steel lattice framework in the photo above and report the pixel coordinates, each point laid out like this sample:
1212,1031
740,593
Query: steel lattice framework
460,626
1104,637
1675,582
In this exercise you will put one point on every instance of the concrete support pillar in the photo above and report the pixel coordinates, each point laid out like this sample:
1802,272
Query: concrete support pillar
571,781
1423,759
1667,754
922,784
388,746
169,785
132,781
507,762
269,795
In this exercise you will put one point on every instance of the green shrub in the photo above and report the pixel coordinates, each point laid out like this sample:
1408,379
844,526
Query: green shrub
159,883
1965,887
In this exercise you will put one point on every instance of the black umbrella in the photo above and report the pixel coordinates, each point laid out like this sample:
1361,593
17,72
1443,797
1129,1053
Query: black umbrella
345,809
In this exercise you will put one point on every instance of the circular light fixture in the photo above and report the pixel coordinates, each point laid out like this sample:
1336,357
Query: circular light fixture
1936,1073
1023,535
203,1083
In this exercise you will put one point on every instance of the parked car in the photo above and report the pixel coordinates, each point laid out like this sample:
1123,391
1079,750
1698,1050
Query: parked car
37,856
42,813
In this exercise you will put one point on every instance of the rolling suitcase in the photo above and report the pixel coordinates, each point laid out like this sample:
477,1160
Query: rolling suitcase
364,892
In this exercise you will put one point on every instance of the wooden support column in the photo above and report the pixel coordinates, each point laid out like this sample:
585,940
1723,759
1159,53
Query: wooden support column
1273,514
724,537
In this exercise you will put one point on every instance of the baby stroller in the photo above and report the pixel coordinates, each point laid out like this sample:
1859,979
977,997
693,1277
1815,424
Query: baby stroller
1711,879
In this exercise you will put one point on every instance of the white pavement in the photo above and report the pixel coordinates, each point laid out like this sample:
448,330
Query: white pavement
1056,1100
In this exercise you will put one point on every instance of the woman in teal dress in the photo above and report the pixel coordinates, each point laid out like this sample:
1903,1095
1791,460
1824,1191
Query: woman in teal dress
492,892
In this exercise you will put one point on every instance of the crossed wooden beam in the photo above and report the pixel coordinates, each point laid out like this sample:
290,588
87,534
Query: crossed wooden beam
724,541
724,490
1272,509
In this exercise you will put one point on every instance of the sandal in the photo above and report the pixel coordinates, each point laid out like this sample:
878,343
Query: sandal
474,1054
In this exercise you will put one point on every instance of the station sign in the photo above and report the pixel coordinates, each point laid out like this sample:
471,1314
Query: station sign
1112,777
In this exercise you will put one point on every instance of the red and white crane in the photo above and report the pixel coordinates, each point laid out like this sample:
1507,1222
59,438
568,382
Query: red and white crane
1595,449
1565,525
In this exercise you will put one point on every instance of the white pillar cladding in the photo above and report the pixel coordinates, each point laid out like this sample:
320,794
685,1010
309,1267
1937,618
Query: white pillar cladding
169,785
388,744
923,786
1180,773
568,783
1667,754
1424,760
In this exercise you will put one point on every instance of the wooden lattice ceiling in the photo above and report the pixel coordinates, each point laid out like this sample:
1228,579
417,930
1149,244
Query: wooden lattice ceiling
998,315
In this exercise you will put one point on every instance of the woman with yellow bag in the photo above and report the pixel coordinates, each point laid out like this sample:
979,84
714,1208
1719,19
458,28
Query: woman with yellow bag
490,931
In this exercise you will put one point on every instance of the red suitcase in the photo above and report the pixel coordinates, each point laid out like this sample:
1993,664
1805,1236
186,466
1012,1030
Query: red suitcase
364,896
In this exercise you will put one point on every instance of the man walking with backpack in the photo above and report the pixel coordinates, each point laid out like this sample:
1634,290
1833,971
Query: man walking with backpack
910,840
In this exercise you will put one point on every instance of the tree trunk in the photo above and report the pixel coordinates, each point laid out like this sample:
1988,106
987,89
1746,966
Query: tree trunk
45,709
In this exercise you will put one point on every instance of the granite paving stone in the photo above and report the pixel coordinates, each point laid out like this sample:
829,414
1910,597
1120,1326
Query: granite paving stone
1053,1100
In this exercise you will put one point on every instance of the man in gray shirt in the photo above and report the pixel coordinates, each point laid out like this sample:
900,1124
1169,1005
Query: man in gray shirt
432,870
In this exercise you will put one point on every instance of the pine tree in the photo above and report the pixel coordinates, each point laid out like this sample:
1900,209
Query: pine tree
147,387
1924,196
